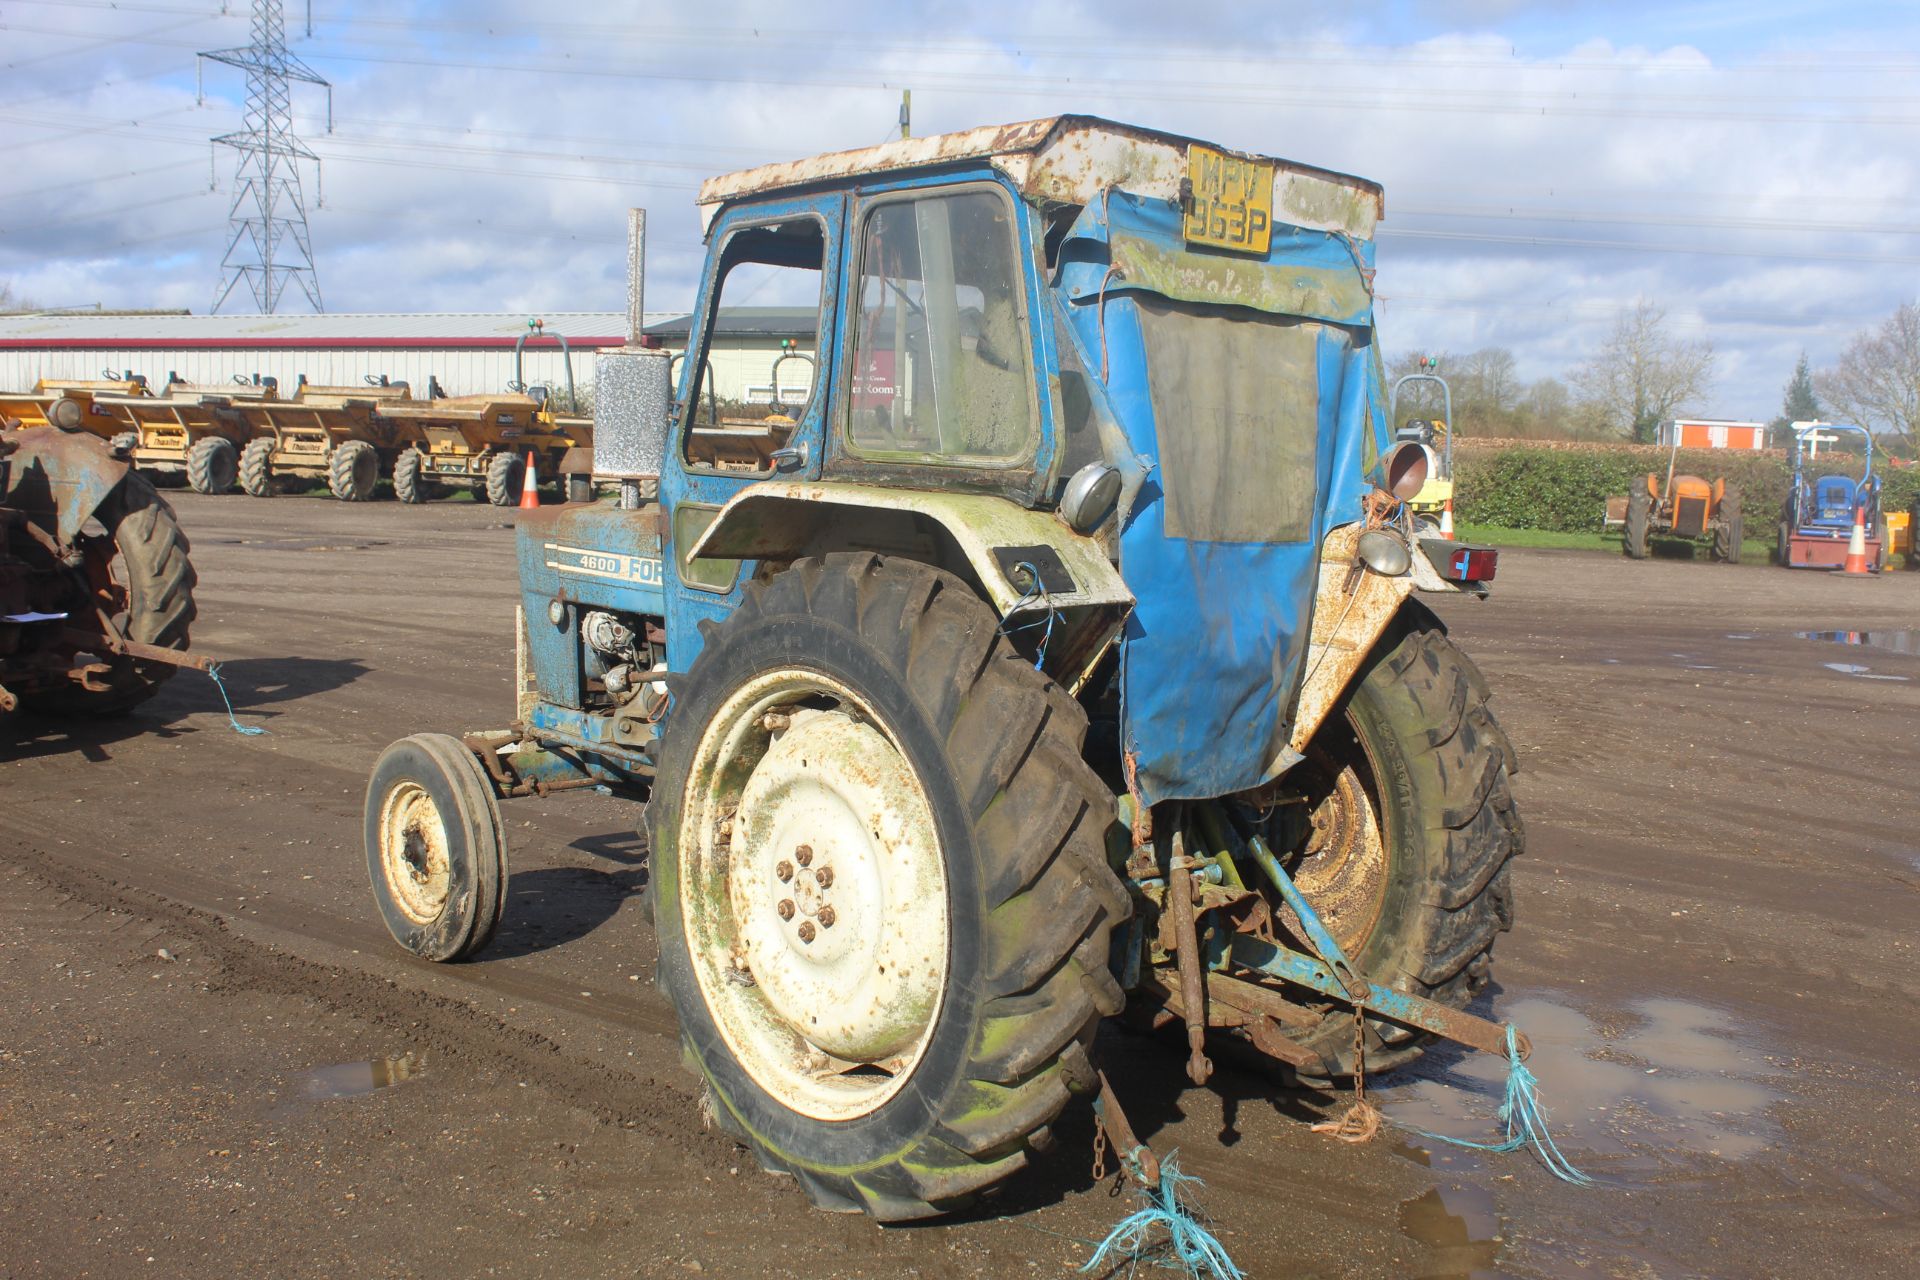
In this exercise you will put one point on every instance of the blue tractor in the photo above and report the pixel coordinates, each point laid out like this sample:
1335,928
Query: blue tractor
1058,657
1817,521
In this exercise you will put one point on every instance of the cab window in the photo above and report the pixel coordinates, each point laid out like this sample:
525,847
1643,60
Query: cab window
940,369
754,382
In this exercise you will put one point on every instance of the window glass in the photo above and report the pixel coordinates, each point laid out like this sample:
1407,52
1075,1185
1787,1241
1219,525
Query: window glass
941,370
755,379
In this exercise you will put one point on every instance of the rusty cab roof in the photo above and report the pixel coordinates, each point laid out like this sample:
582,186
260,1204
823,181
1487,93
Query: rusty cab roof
1063,160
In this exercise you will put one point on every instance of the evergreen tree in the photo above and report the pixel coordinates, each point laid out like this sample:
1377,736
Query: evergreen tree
1799,404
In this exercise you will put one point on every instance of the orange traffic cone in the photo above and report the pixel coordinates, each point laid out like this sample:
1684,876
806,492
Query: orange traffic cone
1446,520
530,484
1857,544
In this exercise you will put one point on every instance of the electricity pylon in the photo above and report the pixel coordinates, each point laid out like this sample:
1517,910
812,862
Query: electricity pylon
269,248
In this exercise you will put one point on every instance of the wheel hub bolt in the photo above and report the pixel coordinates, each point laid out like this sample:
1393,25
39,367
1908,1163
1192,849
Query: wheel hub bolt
775,722
824,875
825,917
784,871
786,909
806,931
804,855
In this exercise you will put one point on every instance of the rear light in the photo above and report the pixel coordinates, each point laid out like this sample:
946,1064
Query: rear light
1460,561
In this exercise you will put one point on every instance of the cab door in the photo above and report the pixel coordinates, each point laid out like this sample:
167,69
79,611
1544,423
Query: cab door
767,298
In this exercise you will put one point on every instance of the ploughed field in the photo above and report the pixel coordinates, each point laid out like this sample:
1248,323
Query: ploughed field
213,1061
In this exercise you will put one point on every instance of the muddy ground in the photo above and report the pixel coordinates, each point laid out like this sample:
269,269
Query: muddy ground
214,1062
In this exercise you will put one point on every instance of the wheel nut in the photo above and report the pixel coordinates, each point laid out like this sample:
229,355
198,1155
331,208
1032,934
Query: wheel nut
825,917
804,855
786,909
784,871
806,931
824,875
775,722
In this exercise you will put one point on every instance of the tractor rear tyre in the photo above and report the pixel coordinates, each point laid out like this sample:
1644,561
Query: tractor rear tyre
256,467
1413,825
1639,519
1783,546
503,479
880,886
213,464
1728,532
436,849
353,471
410,484
142,578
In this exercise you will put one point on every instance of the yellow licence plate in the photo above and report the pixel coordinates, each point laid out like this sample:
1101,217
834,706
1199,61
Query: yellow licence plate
1232,206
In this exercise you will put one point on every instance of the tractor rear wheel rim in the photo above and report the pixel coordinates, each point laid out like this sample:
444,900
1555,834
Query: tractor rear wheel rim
1343,869
413,852
813,895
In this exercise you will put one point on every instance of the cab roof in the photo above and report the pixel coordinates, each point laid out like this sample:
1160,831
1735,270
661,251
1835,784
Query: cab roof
1067,160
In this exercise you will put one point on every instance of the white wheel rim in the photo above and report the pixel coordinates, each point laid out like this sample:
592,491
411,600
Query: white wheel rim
813,895
413,852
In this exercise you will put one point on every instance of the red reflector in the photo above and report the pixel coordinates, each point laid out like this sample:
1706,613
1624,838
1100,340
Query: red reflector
1460,561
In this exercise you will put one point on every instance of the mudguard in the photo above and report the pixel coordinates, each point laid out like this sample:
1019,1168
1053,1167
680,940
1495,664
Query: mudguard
60,478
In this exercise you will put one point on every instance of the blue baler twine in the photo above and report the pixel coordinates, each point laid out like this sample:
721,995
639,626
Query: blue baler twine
250,730
1525,1119
1188,1242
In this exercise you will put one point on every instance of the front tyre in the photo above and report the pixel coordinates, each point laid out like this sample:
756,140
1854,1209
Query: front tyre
256,467
436,849
504,471
881,888
213,465
1728,533
353,469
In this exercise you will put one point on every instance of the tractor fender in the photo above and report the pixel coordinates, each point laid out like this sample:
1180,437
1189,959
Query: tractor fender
60,478
1349,617
982,537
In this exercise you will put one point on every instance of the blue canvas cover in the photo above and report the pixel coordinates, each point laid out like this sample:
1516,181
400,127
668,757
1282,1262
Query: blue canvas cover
1252,393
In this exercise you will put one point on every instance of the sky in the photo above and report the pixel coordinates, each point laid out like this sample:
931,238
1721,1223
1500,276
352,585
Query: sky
1752,167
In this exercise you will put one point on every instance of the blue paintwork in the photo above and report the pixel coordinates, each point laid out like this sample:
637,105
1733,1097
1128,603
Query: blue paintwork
1212,654
1824,507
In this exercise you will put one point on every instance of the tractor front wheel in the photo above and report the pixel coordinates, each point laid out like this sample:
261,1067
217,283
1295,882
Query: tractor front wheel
1639,519
880,886
1409,825
436,848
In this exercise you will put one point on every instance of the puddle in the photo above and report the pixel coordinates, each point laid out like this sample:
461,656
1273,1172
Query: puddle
1859,672
1460,1226
1669,1079
304,544
352,1079
1905,640
1739,635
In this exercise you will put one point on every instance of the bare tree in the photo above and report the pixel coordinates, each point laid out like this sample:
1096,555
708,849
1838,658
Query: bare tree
10,301
1643,374
1877,382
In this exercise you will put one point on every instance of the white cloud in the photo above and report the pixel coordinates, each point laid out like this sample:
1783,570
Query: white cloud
452,186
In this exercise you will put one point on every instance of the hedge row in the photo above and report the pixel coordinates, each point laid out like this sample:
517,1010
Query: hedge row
1566,489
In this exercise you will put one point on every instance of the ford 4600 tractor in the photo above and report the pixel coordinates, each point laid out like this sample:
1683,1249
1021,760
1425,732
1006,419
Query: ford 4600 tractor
1058,657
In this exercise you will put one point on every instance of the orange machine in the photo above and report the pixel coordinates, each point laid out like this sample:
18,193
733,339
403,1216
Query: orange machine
1685,507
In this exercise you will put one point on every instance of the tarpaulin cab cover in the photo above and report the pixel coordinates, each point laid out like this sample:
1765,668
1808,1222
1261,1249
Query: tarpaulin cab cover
1253,388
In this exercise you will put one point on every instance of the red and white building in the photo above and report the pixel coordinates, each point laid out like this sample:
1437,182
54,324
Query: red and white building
1713,433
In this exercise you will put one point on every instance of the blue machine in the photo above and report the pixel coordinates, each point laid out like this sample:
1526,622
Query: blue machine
1817,521
1054,648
